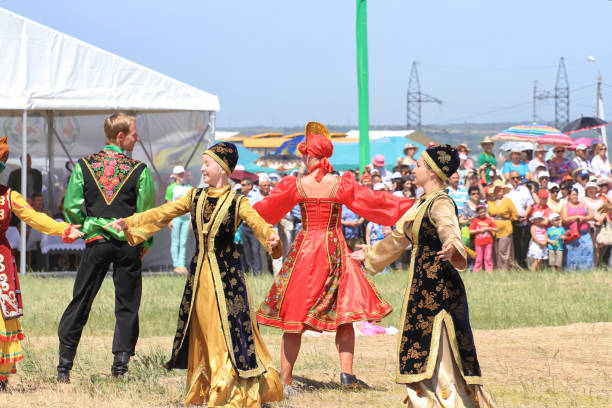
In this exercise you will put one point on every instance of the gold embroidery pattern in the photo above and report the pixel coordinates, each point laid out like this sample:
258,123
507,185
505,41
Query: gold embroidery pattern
436,295
214,238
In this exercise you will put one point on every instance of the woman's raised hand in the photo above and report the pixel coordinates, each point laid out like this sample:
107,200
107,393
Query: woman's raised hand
118,225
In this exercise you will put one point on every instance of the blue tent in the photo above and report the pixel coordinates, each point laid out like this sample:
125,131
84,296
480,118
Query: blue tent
346,155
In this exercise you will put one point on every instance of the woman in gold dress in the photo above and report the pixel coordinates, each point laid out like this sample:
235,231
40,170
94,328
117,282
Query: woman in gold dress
437,357
217,339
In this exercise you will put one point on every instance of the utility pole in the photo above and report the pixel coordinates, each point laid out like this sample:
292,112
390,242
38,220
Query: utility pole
415,98
562,96
600,110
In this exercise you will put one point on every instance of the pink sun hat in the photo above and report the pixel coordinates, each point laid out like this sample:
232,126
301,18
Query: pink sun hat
378,160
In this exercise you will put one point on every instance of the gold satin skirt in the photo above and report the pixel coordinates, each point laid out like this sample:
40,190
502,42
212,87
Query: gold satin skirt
446,388
211,378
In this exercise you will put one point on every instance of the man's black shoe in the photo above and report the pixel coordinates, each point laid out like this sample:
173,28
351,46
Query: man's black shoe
63,377
120,364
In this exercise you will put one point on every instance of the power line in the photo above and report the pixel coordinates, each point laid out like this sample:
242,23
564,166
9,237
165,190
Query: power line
500,109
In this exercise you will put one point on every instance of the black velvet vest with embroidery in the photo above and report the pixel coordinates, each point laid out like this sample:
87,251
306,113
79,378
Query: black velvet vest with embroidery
110,181
235,297
436,286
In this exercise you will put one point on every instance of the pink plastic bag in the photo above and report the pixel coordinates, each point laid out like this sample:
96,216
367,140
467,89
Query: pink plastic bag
370,329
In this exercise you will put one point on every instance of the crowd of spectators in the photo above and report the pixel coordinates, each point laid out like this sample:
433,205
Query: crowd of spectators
525,210
529,211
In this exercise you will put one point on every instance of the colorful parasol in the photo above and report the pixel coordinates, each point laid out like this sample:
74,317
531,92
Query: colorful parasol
526,133
584,123
240,174
587,141
557,139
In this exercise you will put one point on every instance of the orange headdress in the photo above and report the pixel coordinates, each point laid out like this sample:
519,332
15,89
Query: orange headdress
317,144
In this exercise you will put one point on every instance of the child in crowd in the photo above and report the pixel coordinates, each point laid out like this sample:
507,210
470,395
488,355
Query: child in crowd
538,250
482,227
555,235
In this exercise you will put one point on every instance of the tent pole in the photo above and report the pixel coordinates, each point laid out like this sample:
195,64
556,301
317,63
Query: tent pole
63,147
213,125
195,147
50,160
161,181
24,188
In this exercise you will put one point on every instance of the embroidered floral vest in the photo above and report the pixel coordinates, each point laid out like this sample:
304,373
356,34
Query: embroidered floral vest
110,184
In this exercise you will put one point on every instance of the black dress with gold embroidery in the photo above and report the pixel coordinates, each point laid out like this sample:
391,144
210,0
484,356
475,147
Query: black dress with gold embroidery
217,339
231,286
436,290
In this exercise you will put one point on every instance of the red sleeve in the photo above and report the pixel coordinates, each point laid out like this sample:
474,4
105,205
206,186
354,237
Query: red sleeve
474,224
380,207
280,201
492,223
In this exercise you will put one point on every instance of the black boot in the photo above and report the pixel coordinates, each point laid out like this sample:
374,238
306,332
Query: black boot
350,381
120,364
66,357
3,385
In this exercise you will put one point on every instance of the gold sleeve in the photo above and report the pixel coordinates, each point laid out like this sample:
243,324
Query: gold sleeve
387,250
260,227
37,220
141,226
445,220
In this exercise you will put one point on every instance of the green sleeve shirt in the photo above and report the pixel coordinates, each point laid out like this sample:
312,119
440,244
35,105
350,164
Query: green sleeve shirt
168,196
94,226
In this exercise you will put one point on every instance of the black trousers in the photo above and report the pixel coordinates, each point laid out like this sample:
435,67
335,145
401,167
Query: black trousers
128,290
521,237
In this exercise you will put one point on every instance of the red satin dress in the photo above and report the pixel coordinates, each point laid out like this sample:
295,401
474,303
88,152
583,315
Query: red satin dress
319,287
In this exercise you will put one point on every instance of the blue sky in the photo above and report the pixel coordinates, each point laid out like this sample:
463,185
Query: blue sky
283,62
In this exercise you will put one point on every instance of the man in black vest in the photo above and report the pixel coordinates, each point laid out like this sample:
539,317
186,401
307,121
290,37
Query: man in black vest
105,186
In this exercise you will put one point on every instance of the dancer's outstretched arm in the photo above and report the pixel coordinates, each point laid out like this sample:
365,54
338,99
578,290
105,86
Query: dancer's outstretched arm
386,251
380,207
41,221
141,226
264,232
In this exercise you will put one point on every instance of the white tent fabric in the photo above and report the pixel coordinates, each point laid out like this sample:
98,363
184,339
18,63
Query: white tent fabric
45,69
64,88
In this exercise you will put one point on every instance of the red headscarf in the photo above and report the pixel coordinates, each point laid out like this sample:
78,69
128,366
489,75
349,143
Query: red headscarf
320,147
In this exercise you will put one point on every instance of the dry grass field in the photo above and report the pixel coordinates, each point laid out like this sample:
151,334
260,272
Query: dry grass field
563,360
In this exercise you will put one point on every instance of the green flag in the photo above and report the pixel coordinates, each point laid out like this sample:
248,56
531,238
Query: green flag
362,83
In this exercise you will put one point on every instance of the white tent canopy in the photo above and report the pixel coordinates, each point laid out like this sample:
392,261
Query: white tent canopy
62,88
44,69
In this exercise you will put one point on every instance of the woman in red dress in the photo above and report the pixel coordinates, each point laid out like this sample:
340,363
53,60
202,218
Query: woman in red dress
319,287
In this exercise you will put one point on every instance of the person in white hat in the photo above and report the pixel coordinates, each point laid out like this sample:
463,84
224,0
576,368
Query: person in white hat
580,161
538,160
554,201
409,151
538,249
515,164
605,187
180,225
